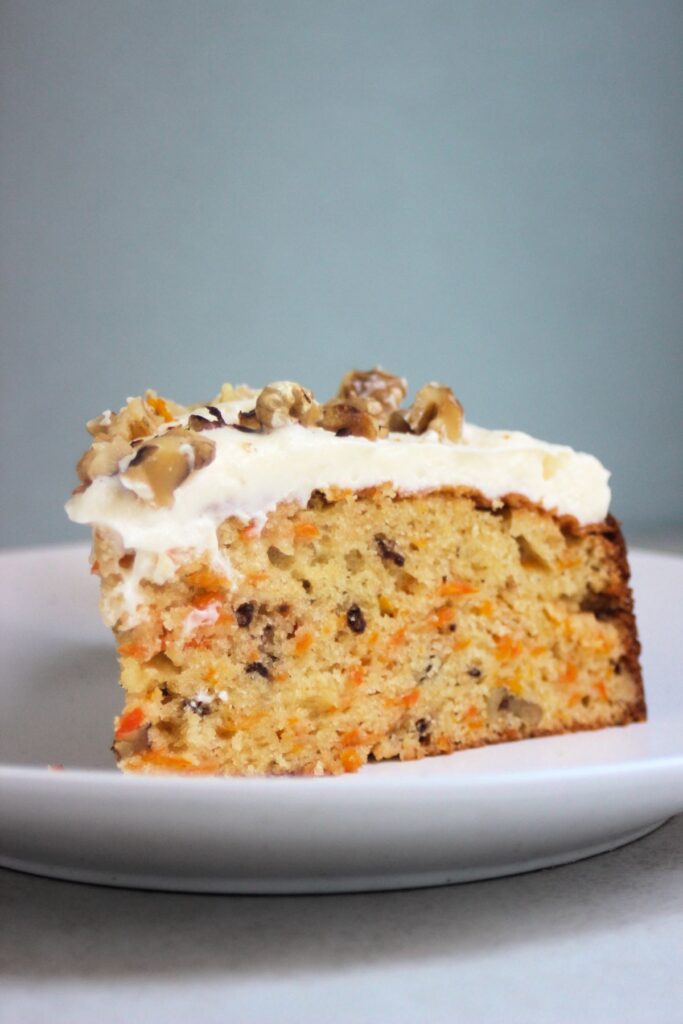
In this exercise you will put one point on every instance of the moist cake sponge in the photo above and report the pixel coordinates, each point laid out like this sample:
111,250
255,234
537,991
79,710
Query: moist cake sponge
346,624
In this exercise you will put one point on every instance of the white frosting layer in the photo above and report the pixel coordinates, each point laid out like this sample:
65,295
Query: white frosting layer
252,473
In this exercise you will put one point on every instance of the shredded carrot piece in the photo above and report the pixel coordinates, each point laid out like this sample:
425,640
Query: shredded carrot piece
95,568
507,647
351,759
160,408
602,689
442,616
356,675
535,651
129,722
351,738
197,643
306,531
280,677
454,588
570,673
462,643
398,637
133,650
205,599
443,744
574,699
303,642
257,577
207,579
485,609
210,676
372,639
406,700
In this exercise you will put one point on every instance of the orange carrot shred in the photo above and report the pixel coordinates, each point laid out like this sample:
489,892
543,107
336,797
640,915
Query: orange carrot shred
306,531
303,642
398,637
351,759
454,588
205,599
570,673
507,647
356,675
351,738
442,616
160,408
129,722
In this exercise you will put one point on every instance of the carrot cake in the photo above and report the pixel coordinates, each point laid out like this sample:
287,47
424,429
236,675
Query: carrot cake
298,587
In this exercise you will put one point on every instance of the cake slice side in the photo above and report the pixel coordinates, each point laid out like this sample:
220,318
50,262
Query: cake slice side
370,626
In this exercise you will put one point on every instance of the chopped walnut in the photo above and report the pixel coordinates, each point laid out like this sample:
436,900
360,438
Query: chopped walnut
385,389
435,407
102,458
160,465
346,416
248,422
115,433
284,402
500,700
208,417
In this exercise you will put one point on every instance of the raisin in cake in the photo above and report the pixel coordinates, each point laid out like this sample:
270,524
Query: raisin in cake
302,588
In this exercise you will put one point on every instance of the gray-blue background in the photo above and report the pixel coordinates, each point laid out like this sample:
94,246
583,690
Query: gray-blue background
486,193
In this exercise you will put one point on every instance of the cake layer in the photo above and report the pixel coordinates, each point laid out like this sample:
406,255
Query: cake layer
252,473
371,625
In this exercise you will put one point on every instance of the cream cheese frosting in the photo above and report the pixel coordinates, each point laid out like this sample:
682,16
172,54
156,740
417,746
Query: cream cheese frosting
252,473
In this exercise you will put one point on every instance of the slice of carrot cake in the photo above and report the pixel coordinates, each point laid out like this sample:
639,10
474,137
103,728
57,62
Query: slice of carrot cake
302,588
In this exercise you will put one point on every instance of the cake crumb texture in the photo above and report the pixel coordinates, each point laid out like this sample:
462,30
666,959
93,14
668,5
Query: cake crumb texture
371,625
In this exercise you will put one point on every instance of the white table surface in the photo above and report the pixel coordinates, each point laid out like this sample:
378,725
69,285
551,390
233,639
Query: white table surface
597,941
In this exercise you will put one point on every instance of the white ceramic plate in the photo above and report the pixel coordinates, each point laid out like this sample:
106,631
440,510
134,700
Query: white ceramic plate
471,815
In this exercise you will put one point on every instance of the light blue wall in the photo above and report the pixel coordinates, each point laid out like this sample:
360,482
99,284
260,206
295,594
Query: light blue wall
485,193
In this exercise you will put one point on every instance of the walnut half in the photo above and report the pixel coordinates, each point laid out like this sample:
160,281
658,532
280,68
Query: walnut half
435,407
347,417
284,402
161,464
501,700
383,388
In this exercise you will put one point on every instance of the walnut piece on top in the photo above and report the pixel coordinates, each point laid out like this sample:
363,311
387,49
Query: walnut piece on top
381,387
346,417
435,407
113,433
284,402
162,463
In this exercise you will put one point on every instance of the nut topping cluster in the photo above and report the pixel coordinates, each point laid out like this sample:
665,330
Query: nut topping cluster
154,444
